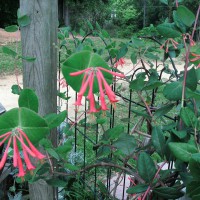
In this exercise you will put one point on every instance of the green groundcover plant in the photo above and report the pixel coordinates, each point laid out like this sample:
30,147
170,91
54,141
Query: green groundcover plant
153,143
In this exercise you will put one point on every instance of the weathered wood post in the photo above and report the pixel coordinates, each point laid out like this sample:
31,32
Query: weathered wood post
38,39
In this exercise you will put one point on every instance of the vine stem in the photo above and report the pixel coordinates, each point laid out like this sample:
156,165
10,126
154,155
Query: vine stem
195,24
145,103
149,187
101,164
187,58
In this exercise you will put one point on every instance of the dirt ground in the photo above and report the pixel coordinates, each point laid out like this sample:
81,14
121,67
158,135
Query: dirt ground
6,37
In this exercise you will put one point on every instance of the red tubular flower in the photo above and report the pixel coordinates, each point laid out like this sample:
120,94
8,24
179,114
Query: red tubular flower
15,150
91,95
20,166
109,92
166,44
111,72
83,88
88,82
196,57
121,62
5,155
32,147
102,96
29,165
79,72
28,149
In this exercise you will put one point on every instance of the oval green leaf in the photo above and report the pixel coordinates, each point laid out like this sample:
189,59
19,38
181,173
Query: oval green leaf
146,167
12,28
28,99
168,30
30,122
185,15
182,151
80,61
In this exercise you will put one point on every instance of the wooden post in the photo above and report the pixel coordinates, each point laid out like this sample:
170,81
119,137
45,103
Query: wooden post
38,40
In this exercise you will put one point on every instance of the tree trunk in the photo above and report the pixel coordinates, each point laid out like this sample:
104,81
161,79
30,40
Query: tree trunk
38,41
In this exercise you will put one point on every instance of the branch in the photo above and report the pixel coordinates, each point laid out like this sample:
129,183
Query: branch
102,164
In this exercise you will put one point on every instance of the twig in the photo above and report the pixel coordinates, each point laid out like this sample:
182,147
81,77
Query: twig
149,187
102,164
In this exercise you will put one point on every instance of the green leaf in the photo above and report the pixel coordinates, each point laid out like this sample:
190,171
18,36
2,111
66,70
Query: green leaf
27,58
82,32
105,34
146,167
71,167
137,84
126,144
164,1
152,85
196,197
168,30
24,20
53,153
179,22
163,110
30,122
53,120
136,42
191,81
122,52
9,51
28,99
63,96
151,56
168,192
185,15
64,149
158,140
16,89
80,61
193,188
101,120
194,166
182,151
173,91
60,36
134,58
180,134
188,117
143,114
90,25
46,143
56,182
140,188
12,28
113,133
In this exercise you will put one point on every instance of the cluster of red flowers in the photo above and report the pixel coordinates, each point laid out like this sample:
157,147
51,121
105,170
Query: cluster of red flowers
166,44
120,62
88,81
27,148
